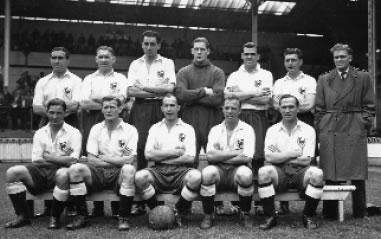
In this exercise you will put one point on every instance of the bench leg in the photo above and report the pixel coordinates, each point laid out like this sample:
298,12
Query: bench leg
341,211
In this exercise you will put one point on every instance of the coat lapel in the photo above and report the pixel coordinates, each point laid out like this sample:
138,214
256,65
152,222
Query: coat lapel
347,85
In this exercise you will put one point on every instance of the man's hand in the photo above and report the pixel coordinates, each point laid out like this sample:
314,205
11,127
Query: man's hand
208,91
126,152
295,153
139,86
265,91
68,151
180,150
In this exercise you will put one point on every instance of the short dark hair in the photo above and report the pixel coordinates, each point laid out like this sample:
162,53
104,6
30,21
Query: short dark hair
61,48
170,95
111,98
202,39
296,51
286,96
56,102
341,47
249,44
151,33
106,48
230,98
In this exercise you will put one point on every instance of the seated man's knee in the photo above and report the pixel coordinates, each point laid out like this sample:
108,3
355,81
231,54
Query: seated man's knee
244,176
264,173
128,169
315,175
62,174
141,177
193,178
15,173
209,175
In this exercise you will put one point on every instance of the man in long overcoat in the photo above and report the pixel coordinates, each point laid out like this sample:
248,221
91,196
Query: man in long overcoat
345,107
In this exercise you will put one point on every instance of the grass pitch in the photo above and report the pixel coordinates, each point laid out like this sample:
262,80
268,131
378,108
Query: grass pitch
225,227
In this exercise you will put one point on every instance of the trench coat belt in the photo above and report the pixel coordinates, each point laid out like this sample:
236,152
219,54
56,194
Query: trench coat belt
350,109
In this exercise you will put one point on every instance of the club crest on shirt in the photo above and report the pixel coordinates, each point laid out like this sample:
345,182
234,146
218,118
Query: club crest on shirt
67,90
302,90
258,83
160,74
113,85
181,137
240,143
62,146
122,143
301,141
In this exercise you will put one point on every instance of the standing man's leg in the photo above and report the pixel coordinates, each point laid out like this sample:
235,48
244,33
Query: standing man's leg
359,199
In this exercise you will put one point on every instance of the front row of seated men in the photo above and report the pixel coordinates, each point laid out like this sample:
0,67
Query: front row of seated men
171,145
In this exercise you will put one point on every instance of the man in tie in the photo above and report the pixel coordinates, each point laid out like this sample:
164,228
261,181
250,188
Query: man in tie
345,107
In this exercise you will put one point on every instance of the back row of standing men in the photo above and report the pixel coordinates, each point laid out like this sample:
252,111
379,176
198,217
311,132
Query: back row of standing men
344,102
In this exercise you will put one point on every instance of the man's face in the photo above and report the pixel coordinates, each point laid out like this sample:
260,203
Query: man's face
250,57
56,115
170,108
288,109
111,110
342,59
105,60
200,52
231,110
58,61
150,46
292,63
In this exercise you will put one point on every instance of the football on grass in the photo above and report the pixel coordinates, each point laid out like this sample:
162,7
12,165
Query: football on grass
161,218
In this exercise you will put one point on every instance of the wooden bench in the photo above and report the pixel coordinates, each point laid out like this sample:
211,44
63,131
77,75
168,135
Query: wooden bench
331,192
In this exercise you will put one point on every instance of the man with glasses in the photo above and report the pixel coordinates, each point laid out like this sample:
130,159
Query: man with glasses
345,109
199,88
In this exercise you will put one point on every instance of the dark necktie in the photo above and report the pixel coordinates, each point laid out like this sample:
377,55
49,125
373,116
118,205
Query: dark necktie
343,75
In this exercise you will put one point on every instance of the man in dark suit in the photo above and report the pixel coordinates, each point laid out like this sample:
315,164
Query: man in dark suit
345,107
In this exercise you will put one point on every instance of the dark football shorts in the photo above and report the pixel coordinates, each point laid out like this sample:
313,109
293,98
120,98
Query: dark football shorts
42,176
227,172
290,176
103,178
168,178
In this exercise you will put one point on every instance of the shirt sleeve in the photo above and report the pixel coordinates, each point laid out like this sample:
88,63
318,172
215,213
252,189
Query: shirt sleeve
38,98
133,141
249,143
212,140
133,73
218,88
92,146
182,92
309,148
277,90
37,149
170,71
76,144
150,144
86,89
190,142
77,87
269,140
311,85
230,83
